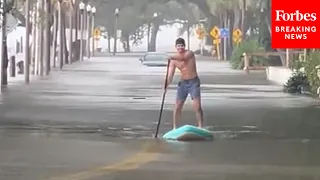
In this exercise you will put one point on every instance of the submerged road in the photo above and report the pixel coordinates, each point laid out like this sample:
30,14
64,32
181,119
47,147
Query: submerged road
96,119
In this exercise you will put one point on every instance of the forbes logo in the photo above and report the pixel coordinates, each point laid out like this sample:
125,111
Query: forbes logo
281,15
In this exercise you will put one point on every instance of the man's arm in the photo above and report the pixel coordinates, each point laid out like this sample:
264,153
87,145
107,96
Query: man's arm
171,71
185,57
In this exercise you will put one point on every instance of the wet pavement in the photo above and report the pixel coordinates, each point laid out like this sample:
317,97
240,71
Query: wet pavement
96,119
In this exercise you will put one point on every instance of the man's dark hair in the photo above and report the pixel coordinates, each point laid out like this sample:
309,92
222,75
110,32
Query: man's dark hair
180,41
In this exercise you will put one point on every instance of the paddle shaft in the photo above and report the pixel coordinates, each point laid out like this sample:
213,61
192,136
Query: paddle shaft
163,98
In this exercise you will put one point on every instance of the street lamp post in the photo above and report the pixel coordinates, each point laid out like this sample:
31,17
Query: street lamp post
116,12
93,12
81,7
88,29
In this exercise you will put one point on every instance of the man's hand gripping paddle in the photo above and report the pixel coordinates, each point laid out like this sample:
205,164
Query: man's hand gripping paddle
163,98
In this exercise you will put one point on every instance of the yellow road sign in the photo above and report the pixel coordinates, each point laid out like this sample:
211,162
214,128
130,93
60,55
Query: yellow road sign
200,33
215,32
216,41
237,34
237,41
96,32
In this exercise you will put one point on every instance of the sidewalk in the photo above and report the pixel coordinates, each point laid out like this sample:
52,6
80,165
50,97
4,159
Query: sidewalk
19,78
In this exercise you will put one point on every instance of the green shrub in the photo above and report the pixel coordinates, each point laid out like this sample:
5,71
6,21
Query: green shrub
309,72
297,83
310,64
247,46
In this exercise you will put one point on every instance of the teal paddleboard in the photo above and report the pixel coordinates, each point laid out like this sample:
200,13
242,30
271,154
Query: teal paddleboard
188,133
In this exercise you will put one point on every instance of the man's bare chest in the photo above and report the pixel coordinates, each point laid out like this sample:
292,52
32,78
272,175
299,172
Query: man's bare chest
182,64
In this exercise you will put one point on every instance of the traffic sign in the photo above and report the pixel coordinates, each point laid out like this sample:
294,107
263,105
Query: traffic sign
215,32
96,32
216,41
200,32
225,33
237,34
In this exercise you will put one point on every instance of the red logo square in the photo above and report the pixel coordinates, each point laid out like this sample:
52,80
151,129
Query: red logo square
295,24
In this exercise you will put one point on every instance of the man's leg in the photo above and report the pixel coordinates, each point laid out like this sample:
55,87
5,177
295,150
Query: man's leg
196,102
182,94
195,93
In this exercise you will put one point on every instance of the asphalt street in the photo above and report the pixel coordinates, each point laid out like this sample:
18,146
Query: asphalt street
96,119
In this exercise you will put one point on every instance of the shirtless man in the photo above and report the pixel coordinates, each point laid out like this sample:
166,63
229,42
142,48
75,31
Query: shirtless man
185,61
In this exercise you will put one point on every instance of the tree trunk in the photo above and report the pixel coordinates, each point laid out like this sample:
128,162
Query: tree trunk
153,38
70,53
126,43
60,19
55,38
27,43
237,18
34,40
76,27
64,36
38,39
41,38
243,18
47,37
231,22
109,42
148,36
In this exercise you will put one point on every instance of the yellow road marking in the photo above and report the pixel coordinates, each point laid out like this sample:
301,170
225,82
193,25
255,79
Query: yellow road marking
146,155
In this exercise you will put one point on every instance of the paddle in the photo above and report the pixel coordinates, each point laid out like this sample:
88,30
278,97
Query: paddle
163,98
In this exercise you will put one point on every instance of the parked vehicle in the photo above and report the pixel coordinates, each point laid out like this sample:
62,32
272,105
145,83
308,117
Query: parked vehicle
154,59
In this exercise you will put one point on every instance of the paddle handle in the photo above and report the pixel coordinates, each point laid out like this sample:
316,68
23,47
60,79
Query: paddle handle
163,98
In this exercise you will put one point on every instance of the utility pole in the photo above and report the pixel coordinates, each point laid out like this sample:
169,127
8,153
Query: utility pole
93,11
81,7
88,30
116,12
26,45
